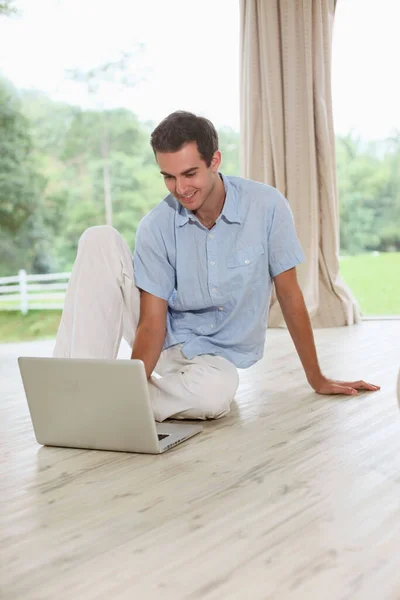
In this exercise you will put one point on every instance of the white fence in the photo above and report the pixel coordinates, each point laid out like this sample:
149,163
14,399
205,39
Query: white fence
33,292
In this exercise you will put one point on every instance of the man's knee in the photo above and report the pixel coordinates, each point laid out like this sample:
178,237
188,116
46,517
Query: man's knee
98,234
218,388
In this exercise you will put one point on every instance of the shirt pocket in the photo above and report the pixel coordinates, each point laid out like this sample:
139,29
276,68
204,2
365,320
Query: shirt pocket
247,257
246,270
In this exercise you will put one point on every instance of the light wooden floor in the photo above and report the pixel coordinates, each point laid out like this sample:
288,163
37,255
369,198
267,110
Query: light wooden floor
293,496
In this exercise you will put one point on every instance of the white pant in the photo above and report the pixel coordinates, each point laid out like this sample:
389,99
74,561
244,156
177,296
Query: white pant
102,304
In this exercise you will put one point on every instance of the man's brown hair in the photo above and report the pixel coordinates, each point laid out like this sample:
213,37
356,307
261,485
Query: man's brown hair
182,127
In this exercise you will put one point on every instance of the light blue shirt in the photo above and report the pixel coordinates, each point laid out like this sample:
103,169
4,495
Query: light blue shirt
218,282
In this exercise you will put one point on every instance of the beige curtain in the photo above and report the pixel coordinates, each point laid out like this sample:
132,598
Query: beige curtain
288,139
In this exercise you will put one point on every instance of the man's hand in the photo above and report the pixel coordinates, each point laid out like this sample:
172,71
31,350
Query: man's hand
323,385
296,316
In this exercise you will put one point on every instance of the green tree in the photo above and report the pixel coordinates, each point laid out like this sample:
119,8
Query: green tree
20,185
121,73
388,214
229,144
368,193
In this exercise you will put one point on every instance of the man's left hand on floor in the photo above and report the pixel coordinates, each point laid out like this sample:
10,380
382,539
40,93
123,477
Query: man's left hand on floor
348,388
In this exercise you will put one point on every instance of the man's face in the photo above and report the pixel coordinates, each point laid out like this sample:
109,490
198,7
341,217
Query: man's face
187,176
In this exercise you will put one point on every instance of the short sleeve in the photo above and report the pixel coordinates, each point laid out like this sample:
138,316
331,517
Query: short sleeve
284,249
153,272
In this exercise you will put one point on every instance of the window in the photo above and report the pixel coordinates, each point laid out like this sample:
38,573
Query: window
86,95
366,100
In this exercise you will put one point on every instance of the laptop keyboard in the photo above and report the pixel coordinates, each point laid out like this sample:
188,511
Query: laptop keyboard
161,436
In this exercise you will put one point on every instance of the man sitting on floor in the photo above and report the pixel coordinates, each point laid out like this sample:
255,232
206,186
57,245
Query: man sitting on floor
194,304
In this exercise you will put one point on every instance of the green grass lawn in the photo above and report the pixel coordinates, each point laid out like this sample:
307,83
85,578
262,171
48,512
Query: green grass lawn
374,280
36,325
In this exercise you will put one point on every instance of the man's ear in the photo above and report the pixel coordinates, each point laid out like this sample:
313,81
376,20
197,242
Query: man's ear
216,161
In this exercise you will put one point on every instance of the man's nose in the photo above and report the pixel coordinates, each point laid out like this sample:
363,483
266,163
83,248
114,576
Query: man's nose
180,187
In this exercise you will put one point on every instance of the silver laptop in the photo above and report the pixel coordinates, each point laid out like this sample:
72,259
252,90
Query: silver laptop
96,404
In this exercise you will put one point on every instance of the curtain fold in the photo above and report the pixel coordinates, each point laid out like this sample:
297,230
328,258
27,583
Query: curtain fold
288,141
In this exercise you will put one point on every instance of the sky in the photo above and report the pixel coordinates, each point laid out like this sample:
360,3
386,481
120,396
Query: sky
187,56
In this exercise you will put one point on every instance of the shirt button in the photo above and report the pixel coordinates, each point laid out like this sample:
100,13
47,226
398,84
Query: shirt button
212,326
210,235
246,262
214,289
220,308
212,262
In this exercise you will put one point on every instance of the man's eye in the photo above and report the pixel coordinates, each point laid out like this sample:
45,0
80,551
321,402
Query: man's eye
167,177
190,174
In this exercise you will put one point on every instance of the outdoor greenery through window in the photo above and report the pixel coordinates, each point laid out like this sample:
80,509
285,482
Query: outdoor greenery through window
366,97
77,111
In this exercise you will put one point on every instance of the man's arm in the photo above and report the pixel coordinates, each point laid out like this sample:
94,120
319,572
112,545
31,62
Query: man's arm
150,333
295,312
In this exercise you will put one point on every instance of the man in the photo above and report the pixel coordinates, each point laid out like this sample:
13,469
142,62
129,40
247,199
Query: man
194,304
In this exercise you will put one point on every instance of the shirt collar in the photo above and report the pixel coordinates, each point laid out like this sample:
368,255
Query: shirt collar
230,211
231,206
